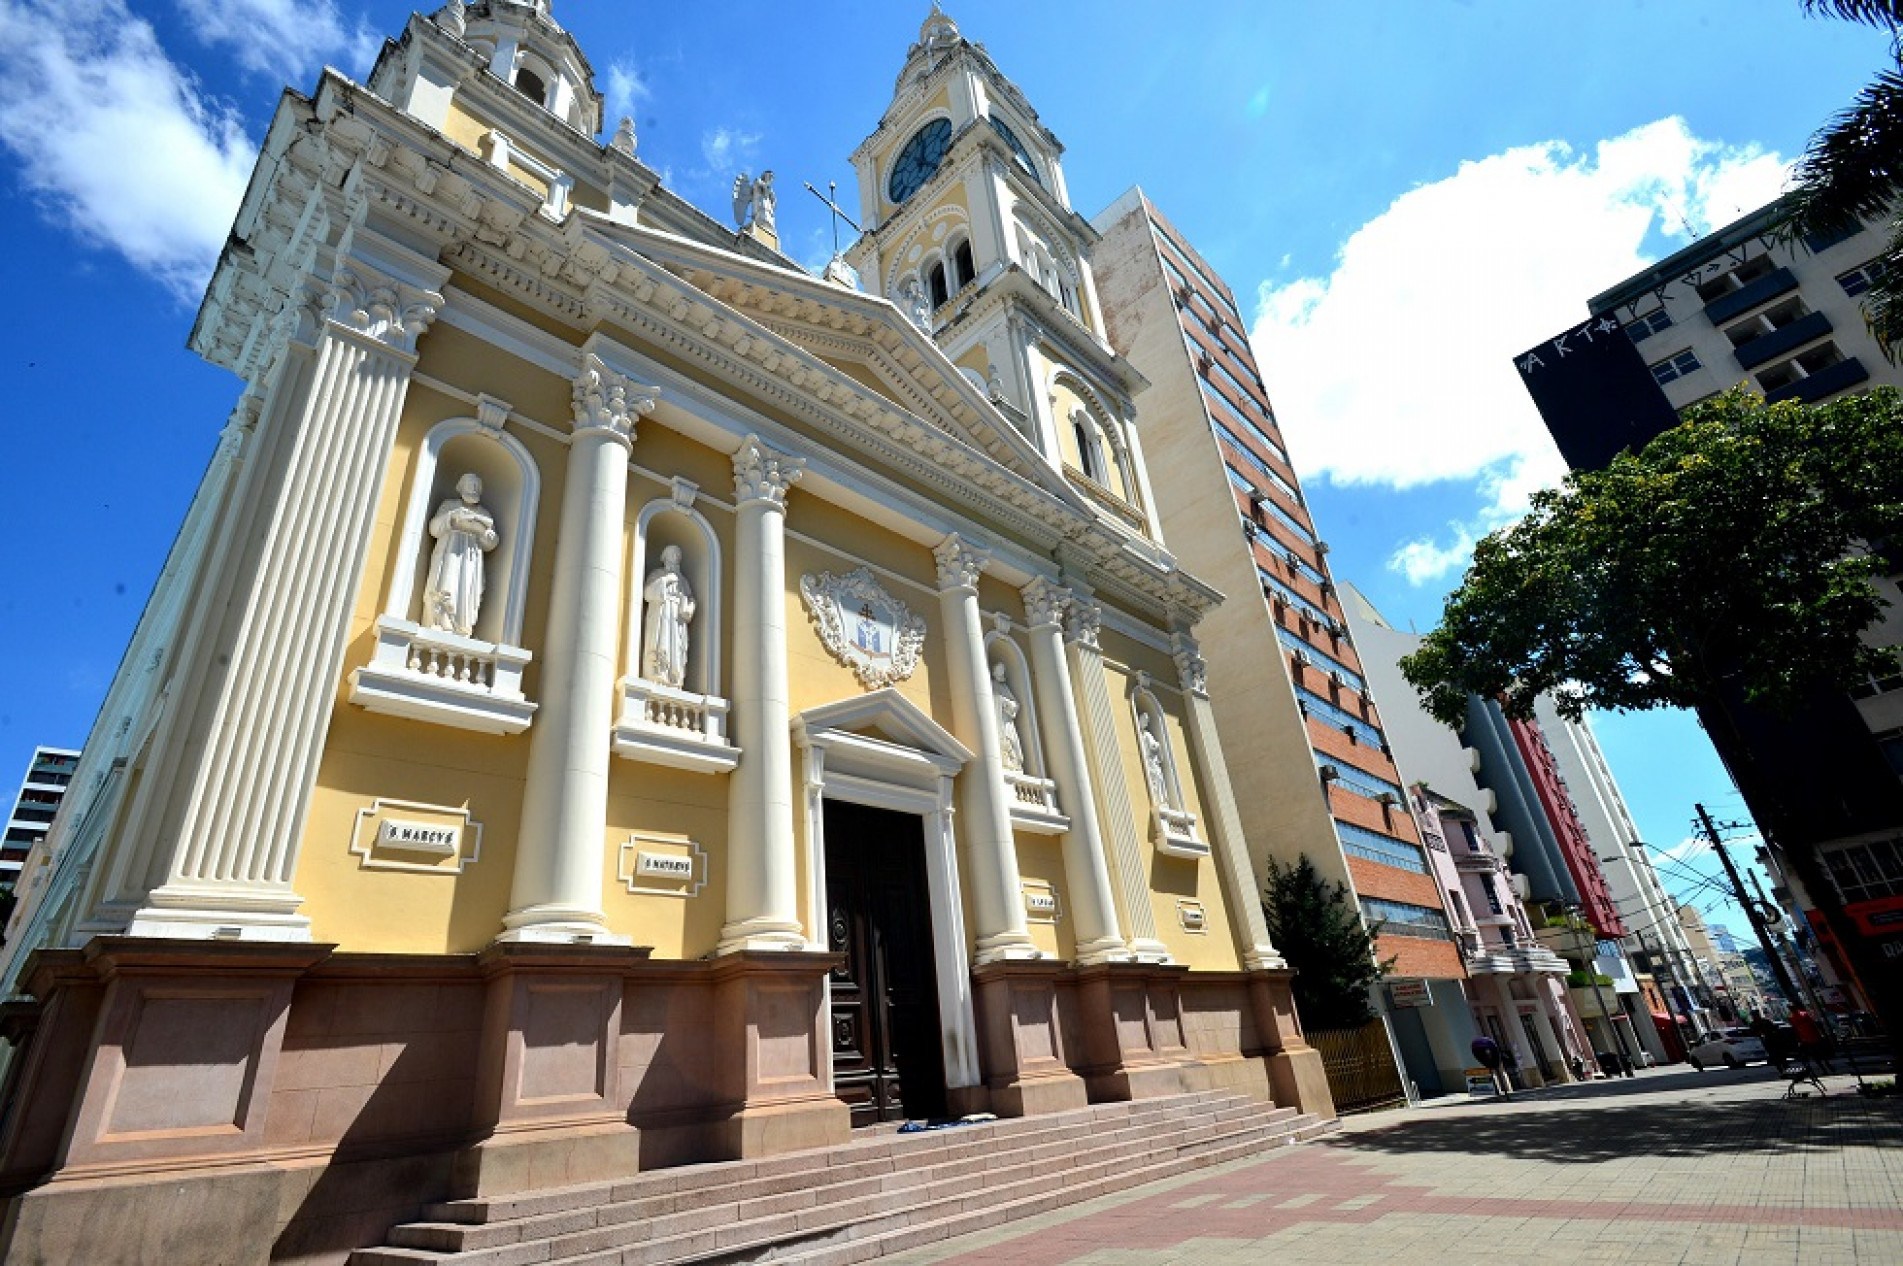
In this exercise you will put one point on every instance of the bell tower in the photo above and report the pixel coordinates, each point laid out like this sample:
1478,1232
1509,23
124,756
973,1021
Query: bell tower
970,231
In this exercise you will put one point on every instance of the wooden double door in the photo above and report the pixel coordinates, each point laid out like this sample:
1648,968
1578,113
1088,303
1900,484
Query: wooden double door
888,1052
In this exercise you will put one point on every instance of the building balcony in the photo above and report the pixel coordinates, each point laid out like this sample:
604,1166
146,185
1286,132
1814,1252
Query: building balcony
1827,381
1481,861
432,675
682,729
1778,342
1174,832
1749,296
1034,804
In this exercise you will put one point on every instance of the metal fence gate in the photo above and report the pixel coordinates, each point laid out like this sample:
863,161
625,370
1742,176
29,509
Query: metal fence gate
1360,1065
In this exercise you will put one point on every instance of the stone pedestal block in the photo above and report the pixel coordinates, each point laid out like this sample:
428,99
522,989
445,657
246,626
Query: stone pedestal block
1295,1067
1131,1027
775,1067
1022,1040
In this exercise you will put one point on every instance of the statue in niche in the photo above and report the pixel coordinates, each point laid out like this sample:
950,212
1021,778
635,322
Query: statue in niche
917,306
464,530
1010,738
1153,773
670,609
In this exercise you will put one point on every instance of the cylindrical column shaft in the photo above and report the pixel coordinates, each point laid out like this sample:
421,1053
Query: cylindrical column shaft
991,854
559,855
762,897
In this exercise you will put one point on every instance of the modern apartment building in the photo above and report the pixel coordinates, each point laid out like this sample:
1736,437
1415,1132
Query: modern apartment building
48,775
1292,701
1745,305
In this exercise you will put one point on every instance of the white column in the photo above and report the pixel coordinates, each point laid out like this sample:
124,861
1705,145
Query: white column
1127,852
1093,906
991,852
1221,818
221,836
762,897
559,852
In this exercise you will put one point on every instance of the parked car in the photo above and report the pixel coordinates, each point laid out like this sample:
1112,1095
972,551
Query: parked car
1733,1048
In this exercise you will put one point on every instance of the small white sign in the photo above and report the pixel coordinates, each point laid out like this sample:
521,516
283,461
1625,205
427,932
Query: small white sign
420,837
1041,903
1192,916
664,865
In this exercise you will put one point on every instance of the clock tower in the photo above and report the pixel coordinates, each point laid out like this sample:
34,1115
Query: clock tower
970,231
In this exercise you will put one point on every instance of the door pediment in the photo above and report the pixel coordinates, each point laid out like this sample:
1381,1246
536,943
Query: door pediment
883,717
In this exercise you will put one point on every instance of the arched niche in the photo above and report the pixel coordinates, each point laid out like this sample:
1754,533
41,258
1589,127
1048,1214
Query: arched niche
1103,455
425,674
511,489
686,726
1173,826
1034,805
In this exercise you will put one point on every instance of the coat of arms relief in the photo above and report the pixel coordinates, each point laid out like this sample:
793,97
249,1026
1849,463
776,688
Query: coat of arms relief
864,627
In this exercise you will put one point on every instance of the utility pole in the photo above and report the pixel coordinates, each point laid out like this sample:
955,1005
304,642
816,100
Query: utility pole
1784,982
1803,981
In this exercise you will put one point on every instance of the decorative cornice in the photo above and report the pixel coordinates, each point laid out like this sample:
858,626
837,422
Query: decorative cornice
960,563
764,474
609,403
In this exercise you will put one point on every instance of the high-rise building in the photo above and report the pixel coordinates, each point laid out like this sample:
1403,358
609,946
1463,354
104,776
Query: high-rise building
1290,695
620,700
48,775
1749,305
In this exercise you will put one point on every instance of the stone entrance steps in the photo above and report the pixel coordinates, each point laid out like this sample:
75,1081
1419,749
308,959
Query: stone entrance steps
875,1195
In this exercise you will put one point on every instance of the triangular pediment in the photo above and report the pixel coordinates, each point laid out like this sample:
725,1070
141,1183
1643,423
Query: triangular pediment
862,338
886,716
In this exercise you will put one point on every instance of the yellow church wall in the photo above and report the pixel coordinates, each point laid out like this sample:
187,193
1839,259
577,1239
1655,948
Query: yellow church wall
1041,862
465,128
355,900
824,537
675,812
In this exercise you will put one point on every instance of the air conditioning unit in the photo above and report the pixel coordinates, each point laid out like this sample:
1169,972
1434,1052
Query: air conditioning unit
1522,887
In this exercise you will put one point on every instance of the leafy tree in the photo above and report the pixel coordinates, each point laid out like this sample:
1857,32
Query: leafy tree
1728,560
1319,931
1852,170
1726,553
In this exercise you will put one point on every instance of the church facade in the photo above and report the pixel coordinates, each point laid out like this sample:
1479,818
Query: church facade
618,700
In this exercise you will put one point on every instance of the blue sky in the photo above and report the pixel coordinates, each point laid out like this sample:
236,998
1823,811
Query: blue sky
1406,193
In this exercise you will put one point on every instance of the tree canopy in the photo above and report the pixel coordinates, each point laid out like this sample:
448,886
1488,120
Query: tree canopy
1733,549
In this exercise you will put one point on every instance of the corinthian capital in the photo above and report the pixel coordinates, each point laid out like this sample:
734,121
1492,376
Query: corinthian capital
610,402
1046,602
1191,669
392,312
960,563
764,474
1085,625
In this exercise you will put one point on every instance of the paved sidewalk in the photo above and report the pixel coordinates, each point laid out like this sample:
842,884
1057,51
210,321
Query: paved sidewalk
1670,1167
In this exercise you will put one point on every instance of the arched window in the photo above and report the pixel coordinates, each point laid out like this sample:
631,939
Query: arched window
1090,457
530,85
935,284
962,270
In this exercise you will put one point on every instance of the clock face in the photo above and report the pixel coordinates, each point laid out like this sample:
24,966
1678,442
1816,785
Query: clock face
1017,147
918,161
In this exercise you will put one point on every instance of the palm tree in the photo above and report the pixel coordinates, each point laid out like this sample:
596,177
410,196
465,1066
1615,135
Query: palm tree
1853,169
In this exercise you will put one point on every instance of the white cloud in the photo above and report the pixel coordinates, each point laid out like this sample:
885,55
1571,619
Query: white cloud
626,88
115,141
1396,368
282,39
726,150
